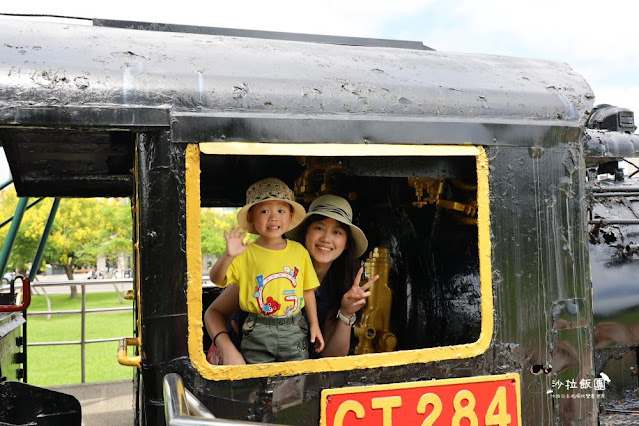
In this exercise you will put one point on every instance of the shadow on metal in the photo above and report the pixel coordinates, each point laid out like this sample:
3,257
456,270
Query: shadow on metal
25,404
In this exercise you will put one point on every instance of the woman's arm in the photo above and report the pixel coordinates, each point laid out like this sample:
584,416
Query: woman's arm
337,334
215,319
310,306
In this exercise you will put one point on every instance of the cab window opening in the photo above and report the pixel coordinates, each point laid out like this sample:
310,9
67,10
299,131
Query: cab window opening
422,211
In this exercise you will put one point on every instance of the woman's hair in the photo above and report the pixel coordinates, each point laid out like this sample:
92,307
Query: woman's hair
341,274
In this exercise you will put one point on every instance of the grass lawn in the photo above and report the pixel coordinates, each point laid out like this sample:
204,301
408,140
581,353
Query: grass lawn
60,364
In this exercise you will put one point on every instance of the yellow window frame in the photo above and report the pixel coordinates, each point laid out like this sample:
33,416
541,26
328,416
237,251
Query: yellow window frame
387,359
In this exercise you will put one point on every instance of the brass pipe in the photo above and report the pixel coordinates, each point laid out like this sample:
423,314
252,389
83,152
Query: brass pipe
373,327
123,358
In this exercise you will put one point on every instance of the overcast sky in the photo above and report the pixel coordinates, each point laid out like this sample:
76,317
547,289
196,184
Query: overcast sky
597,39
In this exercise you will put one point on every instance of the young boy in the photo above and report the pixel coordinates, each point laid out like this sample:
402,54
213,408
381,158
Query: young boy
271,279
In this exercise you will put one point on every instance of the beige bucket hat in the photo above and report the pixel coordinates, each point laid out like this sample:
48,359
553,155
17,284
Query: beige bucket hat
339,209
269,189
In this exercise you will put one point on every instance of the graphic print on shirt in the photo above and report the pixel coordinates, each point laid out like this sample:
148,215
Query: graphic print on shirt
269,306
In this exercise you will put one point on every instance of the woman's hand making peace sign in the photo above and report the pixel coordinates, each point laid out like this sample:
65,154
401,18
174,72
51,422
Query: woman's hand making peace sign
355,298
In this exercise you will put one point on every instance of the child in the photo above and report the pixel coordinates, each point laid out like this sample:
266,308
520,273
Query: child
272,279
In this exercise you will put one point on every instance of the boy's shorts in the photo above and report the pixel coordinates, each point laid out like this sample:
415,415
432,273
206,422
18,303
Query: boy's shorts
271,339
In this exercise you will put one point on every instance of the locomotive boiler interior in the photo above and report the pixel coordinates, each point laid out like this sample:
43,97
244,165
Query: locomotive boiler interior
423,210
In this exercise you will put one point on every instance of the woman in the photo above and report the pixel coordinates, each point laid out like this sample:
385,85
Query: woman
335,245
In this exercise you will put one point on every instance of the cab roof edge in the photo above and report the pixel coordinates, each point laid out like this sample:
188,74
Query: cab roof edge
271,35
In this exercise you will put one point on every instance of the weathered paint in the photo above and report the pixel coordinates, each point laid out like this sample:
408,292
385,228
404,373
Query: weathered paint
162,266
140,78
528,115
92,97
194,257
340,150
540,260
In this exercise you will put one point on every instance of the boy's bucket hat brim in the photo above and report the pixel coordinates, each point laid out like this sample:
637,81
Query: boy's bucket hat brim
337,208
269,189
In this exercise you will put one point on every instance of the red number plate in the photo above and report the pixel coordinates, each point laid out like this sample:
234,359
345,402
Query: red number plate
486,400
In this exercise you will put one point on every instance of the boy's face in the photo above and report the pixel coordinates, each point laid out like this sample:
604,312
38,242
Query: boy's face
271,218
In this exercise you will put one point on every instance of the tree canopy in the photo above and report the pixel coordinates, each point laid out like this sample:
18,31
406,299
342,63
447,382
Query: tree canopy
84,228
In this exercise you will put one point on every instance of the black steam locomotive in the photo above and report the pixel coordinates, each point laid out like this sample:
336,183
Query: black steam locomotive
492,183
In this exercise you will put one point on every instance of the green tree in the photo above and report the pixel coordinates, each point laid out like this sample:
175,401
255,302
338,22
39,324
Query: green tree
86,228
83,230
115,232
214,223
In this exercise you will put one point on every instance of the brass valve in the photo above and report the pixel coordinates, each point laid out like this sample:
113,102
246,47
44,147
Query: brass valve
315,180
434,189
373,327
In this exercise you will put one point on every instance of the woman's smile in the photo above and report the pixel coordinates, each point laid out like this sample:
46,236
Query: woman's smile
326,240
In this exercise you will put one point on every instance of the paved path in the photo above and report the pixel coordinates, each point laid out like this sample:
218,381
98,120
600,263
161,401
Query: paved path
103,404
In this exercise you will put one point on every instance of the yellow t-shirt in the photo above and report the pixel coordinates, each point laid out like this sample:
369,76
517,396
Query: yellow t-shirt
272,282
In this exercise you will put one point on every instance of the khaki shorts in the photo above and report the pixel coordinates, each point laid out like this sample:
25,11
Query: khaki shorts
272,339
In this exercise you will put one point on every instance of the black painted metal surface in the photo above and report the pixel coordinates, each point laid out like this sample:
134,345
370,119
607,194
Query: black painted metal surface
23,404
221,88
58,69
615,272
162,242
78,163
540,266
613,237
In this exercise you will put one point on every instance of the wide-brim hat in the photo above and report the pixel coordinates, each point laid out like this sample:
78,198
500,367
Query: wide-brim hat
266,190
339,209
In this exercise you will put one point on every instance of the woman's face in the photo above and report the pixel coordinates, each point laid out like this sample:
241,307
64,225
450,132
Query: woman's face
325,240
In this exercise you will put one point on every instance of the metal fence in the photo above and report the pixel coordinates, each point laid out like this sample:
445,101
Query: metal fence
36,287
83,311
